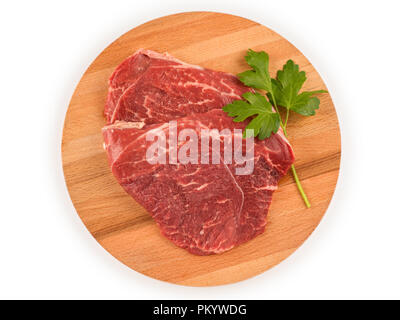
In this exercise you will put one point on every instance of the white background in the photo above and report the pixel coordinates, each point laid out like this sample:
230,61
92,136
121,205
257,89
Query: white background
46,252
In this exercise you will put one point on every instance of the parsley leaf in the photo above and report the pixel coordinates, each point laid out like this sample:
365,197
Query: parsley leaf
286,87
265,121
259,77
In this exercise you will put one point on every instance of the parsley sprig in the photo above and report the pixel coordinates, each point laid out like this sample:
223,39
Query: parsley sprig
283,91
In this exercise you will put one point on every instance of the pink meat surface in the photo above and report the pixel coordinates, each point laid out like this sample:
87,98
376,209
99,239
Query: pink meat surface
203,208
153,88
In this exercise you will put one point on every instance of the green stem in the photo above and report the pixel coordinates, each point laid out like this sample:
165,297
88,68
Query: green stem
294,172
287,118
303,194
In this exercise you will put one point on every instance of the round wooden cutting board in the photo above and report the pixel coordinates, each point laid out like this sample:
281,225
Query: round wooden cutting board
216,41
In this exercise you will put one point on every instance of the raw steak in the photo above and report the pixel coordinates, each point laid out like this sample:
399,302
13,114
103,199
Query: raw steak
204,208
153,88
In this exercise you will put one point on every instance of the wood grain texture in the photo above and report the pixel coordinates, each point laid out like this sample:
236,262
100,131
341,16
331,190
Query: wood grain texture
216,41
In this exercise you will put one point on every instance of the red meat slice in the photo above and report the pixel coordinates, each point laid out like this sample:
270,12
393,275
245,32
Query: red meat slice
203,208
154,88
